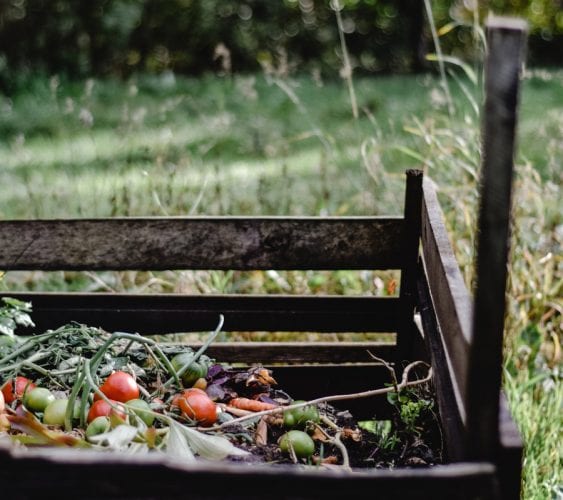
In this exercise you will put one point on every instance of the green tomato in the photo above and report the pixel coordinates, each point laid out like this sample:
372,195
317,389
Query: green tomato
38,399
197,369
300,441
298,417
55,412
97,426
140,408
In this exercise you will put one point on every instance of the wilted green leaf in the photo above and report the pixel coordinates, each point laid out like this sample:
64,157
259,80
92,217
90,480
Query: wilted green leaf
177,445
205,445
7,326
117,438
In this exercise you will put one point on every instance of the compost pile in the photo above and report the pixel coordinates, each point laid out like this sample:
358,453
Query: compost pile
79,386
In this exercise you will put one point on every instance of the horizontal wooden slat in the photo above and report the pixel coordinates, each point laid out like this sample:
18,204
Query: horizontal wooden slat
298,352
202,243
169,313
449,294
87,474
314,381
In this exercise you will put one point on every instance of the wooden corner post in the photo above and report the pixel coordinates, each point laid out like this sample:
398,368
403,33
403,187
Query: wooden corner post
506,48
409,266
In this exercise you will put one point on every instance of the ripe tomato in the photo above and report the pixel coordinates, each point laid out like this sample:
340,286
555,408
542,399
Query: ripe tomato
22,385
120,386
2,403
102,409
196,405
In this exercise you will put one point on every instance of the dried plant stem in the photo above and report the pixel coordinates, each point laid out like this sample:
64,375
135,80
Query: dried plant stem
340,445
440,57
347,68
339,397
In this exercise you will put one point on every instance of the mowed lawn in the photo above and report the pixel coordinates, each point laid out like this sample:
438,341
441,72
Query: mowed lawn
258,144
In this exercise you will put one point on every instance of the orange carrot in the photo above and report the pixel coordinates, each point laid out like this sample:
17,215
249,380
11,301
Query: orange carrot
251,404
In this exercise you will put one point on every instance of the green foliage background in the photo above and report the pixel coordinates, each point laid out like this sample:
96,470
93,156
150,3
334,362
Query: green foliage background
101,37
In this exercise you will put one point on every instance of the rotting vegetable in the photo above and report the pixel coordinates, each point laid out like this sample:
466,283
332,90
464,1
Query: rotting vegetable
196,405
81,386
21,384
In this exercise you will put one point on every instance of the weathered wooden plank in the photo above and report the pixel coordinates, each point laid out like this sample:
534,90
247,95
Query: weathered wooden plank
450,297
85,474
202,243
510,454
409,269
506,41
169,313
298,352
314,381
451,413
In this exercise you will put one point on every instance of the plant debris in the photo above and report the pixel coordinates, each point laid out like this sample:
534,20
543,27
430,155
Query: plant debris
234,413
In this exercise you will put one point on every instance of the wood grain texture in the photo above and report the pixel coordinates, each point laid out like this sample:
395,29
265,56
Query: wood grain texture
201,243
510,453
450,298
451,412
409,269
506,42
170,313
298,352
84,474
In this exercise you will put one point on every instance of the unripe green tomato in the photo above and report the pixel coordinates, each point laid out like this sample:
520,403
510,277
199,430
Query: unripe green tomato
55,412
196,370
298,417
140,408
38,399
300,441
97,426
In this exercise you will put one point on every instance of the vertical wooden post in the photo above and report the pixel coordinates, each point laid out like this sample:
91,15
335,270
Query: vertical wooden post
409,269
506,43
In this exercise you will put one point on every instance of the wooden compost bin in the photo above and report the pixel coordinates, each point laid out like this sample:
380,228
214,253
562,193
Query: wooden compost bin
434,319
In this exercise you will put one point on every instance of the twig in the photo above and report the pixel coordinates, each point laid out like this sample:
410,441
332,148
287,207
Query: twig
339,397
292,451
340,445
329,423
389,368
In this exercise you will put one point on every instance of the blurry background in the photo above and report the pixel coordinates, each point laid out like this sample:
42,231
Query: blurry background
119,37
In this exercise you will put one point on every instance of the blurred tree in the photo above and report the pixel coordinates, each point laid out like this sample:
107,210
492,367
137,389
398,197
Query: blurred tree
100,37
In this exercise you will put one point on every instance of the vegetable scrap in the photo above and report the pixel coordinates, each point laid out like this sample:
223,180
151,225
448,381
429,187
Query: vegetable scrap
79,386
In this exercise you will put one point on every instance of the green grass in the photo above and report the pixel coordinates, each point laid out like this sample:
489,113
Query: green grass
251,144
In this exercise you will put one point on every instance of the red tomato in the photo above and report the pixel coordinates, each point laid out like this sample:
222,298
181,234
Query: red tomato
22,385
2,404
102,409
196,405
120,386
